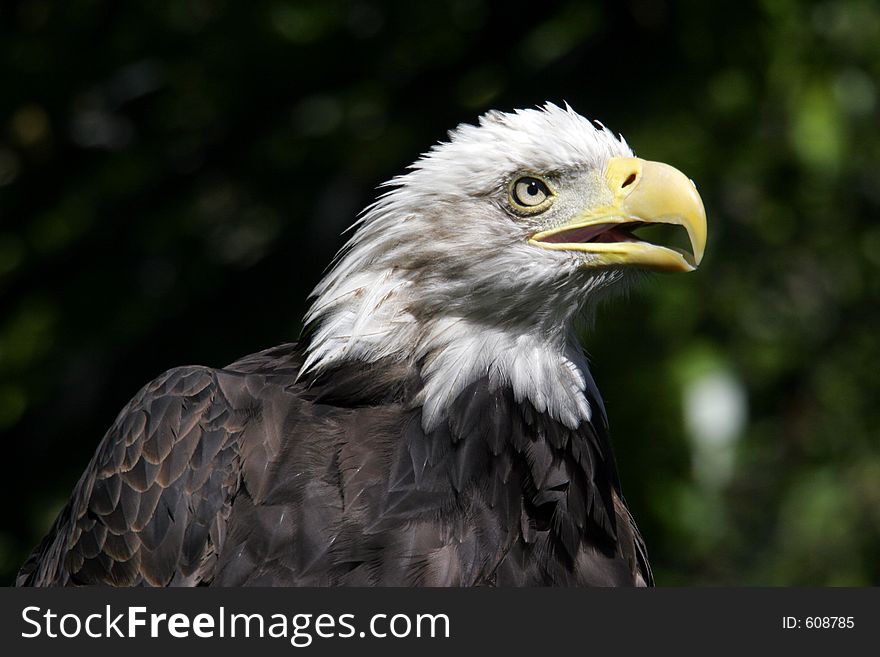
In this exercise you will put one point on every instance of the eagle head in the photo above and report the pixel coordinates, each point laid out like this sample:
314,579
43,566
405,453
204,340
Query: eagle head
477,260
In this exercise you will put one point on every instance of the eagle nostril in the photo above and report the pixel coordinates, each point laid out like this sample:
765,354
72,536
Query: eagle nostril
629,181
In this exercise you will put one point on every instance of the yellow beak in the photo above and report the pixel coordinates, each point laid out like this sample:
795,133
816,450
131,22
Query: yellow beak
642,192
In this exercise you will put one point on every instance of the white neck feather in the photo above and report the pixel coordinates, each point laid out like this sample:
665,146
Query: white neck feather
368,319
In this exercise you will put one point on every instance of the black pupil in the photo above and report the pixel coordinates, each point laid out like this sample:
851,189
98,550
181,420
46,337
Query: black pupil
533,189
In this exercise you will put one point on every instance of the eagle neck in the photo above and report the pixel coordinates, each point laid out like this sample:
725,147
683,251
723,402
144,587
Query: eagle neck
551,373
539,361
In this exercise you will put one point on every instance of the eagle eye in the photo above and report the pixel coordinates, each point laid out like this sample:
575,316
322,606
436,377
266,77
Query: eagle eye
530,194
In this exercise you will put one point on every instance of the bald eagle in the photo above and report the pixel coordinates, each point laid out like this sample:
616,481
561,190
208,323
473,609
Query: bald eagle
436,424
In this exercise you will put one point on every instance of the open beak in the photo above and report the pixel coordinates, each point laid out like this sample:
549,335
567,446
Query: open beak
643,193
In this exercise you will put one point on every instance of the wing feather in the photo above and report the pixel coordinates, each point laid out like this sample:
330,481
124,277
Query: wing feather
150,507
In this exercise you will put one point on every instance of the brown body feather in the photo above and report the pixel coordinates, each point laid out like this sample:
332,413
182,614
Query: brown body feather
245,476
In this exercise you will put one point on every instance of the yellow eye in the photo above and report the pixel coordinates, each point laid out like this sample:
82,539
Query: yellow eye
529,193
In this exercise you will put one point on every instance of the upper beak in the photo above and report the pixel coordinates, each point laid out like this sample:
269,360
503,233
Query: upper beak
642,192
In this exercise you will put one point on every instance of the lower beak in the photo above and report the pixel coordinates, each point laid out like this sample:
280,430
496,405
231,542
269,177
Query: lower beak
642,193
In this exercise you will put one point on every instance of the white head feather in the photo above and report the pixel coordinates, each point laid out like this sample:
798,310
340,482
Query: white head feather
439,272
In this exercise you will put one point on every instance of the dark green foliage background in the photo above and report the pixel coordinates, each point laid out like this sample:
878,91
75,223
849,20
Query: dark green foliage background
175,174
